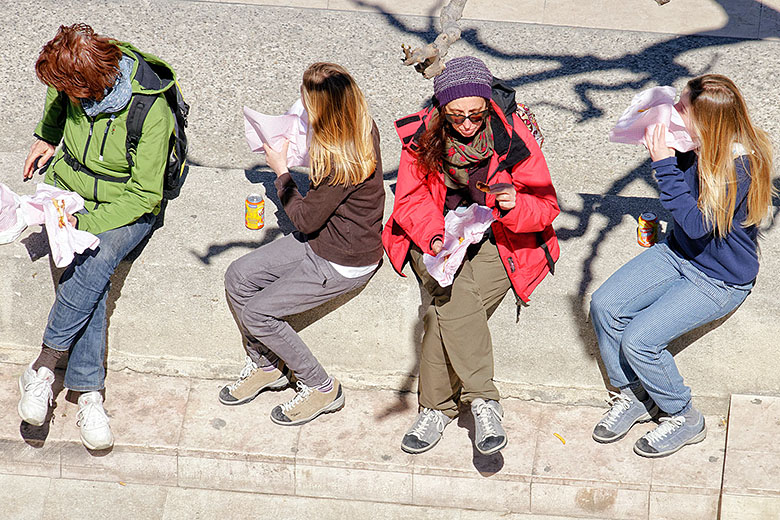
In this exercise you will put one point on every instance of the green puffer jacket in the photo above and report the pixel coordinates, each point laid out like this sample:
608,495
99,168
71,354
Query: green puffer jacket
123,193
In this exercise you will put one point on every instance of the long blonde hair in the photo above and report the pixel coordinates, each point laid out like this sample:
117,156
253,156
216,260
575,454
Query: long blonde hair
720,118
341,148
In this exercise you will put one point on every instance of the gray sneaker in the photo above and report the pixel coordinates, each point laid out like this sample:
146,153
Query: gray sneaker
668,437
624,412
426,431
489,436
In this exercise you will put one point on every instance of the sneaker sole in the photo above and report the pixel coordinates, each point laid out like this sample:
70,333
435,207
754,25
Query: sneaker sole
279,384
19,409
695,440
335,406
642,419
491,451
95,447
415,451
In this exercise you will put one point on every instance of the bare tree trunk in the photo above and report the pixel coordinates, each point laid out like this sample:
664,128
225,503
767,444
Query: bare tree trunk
429,60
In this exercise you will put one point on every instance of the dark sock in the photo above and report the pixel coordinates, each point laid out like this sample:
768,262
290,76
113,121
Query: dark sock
637,392
269,361
48,358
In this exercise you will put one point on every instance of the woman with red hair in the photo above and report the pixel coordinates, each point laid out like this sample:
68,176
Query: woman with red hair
91,81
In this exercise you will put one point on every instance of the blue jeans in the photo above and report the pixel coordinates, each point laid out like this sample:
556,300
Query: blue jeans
654,298
77,320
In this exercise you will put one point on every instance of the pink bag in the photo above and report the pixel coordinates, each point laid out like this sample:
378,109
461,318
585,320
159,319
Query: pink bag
461,229
48,206
649,108
11,219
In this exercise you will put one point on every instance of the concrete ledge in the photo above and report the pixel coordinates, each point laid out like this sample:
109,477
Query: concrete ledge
168,314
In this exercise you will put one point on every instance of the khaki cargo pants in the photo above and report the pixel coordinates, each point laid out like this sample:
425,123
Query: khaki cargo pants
457,352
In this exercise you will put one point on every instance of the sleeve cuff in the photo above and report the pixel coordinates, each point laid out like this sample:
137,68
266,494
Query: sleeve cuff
37,136
664,163
433,239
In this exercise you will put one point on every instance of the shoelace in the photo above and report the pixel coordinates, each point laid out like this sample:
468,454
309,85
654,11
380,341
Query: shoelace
91,414
484,413
303,392
40,387
248,370
667,426
618,403
428,415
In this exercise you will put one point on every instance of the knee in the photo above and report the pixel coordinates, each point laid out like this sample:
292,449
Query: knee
599,306
634,343
233,279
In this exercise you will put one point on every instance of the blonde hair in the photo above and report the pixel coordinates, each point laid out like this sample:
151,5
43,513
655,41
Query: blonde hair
341,147
720,118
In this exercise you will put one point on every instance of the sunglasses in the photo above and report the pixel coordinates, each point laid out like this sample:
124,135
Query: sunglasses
457,119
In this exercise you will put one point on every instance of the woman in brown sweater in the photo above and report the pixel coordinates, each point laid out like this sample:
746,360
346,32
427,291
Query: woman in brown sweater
337,248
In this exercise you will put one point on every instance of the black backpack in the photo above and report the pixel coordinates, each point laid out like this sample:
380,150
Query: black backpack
152,73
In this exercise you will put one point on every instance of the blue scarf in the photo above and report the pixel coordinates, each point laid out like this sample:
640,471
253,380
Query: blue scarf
117,97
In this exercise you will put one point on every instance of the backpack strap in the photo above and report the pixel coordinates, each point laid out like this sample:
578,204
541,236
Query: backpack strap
140,105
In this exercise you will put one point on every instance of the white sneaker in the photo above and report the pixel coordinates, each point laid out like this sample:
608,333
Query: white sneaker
37,395
93,422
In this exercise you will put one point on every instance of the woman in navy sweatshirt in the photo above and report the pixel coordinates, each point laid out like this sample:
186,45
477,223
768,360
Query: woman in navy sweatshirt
704,270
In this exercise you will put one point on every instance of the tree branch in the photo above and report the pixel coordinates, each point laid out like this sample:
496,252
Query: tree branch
429,60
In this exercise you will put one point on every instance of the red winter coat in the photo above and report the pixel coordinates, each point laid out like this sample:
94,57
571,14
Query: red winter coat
524,235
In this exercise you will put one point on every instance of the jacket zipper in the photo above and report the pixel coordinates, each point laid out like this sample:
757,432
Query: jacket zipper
89,138
86,147
105,135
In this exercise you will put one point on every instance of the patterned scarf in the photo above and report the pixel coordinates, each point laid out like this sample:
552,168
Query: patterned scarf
459,157
118,96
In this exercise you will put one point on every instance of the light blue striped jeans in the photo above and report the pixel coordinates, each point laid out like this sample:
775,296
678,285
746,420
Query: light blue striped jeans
651,300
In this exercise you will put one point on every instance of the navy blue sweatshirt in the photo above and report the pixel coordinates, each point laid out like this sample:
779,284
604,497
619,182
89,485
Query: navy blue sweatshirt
732,259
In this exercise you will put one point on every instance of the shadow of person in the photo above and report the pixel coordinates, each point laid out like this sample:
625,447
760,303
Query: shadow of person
35,436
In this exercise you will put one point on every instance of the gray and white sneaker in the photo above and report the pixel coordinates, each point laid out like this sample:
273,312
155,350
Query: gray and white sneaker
489,436
672,434
624,412
426,431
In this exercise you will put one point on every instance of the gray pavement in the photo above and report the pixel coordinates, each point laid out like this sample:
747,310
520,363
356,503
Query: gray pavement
576,69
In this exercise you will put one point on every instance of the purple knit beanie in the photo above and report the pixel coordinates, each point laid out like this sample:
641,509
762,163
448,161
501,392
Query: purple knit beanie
462,77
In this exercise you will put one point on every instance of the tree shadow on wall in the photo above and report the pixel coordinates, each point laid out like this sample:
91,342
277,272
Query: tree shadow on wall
654,64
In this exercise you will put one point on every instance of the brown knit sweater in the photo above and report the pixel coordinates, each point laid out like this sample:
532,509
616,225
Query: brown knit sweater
343,224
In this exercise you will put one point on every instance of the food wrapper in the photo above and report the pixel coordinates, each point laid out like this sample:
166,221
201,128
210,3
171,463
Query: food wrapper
12,222
462,227
49,206
649,108
293,125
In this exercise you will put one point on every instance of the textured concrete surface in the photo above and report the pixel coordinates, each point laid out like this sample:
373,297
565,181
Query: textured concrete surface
172,340
168,313
550,467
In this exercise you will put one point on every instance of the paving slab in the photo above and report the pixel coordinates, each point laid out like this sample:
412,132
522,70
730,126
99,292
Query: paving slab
750,485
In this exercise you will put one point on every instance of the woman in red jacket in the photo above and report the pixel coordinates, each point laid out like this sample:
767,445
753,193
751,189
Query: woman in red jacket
468,140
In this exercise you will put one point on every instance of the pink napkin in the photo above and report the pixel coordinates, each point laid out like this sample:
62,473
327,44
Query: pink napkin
293,125
649,108
48,206
461,229
11,219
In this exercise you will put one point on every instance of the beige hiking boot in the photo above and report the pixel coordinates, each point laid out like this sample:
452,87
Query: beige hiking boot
307,404
251,381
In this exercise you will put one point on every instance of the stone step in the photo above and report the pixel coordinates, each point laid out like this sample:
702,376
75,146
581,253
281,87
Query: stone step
168,315
172,432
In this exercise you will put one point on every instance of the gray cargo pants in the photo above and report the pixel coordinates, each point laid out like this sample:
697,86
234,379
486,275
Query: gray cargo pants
277,280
